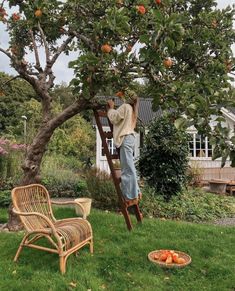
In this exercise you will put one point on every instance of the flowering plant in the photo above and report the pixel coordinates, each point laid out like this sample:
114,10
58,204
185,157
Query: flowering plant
10,160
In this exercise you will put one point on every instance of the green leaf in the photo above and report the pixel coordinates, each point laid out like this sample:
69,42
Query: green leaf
144,38
180,122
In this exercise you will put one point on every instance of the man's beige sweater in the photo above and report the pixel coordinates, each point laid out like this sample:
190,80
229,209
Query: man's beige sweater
121,119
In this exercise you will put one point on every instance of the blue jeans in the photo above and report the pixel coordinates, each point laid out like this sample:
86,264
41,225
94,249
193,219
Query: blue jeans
129,185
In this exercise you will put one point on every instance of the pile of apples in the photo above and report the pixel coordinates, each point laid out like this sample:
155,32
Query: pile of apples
169,257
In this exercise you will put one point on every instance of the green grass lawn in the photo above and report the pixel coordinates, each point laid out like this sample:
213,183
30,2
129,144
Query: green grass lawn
120,258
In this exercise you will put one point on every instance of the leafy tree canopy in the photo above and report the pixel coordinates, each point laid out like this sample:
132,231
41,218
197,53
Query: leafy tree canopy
182,48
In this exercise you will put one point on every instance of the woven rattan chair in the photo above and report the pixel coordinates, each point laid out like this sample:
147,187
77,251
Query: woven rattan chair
33,205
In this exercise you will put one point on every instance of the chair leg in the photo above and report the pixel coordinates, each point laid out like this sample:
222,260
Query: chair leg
20,248
62,264
91,247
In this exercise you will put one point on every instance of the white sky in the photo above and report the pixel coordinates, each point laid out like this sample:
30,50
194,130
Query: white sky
61,70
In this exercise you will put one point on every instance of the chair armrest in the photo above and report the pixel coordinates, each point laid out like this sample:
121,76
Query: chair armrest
71,202
45,218
48,221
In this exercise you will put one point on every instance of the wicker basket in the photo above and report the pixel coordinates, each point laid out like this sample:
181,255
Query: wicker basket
172,265
86,203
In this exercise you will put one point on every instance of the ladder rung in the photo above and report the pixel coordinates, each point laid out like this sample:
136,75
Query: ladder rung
102,113
114,156
108,134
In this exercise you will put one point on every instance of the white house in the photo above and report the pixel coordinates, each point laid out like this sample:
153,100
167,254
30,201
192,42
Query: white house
199,147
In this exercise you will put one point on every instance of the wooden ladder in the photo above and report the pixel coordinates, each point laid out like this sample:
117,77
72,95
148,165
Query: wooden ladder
110,157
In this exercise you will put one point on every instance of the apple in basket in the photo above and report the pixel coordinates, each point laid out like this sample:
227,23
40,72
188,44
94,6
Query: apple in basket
169,257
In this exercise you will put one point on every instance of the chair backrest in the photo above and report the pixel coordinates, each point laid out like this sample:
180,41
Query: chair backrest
32,198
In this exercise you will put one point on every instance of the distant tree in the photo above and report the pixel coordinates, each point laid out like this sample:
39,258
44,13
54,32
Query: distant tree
12,96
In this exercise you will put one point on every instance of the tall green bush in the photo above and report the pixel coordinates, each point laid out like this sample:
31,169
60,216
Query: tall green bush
164,157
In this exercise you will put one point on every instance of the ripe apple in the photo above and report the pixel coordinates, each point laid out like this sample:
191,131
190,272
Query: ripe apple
168,63
120,94
129,48
169,259
175,258
141,9
38,13
15,16
181,261
106,48
158,1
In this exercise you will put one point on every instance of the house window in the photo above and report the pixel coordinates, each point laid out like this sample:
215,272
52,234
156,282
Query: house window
199,147
111,146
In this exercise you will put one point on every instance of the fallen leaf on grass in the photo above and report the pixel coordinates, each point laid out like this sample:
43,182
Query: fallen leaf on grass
73,284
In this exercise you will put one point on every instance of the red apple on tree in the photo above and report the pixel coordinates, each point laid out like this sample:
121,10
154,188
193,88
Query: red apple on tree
38,13
15,16
106,48
168,63
141,9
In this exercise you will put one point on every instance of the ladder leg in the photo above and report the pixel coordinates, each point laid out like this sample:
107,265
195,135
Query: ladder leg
127,217
138,214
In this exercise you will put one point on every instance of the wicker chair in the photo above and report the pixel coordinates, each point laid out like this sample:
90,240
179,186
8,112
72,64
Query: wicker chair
32,204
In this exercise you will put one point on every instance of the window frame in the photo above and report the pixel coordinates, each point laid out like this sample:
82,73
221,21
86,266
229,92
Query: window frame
208,148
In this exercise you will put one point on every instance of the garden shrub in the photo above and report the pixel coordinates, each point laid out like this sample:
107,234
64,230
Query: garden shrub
193,205
164,157
5,198
11,157
194,174
61,181
81,187
75,138
101,188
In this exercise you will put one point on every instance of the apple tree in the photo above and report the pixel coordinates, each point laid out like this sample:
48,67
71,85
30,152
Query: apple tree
181,48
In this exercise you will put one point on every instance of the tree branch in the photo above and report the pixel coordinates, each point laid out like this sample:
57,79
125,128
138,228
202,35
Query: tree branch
6,53
78,106
83,38
8,81
38,65
47,52
60,50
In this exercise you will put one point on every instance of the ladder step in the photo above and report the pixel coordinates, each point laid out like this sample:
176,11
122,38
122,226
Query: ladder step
108,134
114,157
102,113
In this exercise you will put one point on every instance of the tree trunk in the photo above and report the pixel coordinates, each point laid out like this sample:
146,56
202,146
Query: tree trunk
14,223
31,169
